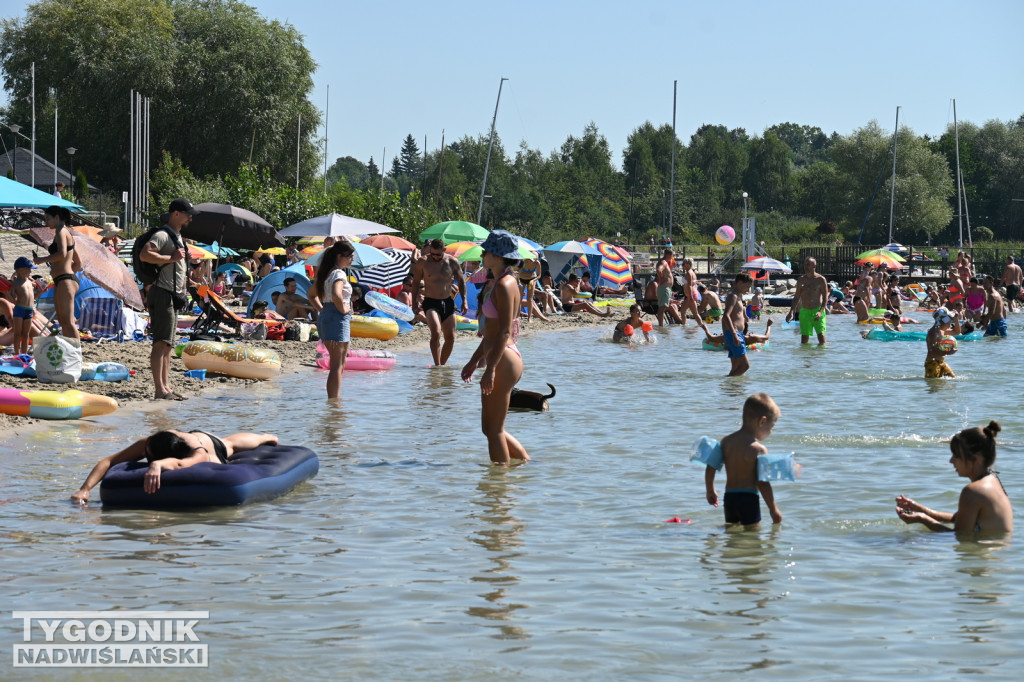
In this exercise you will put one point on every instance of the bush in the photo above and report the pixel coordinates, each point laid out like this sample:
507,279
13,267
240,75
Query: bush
982,234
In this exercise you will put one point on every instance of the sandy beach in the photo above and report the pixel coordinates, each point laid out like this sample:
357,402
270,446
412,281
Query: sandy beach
296,357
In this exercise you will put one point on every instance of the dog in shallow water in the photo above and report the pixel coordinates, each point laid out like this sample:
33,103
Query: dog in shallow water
530,400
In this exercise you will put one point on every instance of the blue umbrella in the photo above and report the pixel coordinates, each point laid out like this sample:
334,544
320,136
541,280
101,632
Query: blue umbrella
221,251
366,257
562,257
14,193
529,242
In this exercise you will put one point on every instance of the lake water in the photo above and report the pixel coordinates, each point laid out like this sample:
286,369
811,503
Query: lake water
409,557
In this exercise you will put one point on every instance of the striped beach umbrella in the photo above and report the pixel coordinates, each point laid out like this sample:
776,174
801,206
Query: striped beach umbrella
615,269
387,275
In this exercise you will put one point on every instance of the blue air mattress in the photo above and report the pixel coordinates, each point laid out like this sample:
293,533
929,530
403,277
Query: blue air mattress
250,476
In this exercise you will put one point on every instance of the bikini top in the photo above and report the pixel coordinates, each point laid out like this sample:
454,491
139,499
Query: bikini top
490,310
54,247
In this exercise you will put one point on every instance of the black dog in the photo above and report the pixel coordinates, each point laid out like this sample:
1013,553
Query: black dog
530,400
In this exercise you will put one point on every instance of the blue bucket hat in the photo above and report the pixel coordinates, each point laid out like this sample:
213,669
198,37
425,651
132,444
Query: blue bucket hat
502,243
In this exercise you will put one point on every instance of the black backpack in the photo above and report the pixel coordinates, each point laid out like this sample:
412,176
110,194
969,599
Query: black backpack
147,273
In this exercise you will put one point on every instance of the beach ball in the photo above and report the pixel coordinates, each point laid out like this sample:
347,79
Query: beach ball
725,234
947,344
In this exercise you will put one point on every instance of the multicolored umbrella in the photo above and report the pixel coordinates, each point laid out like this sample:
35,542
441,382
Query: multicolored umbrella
199,253
458,248
884,252
615,270
885,258
101,266
312,249
477,253
455,231
389,241
562,257
767,264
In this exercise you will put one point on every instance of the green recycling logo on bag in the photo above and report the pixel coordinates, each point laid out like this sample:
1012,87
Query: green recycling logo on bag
55,354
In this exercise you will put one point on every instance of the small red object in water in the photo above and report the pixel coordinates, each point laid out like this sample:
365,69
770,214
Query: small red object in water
676,519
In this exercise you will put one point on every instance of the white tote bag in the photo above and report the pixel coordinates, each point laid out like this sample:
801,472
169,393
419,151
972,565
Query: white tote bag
58,359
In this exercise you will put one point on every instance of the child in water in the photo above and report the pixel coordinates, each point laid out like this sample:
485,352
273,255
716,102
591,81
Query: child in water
935,363
739,452
984,506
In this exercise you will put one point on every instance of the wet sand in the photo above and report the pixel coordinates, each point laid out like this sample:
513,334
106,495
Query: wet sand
296,356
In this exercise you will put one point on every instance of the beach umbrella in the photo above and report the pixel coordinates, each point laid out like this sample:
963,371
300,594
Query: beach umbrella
529,242
333,225
199,253
220,251
883,259
455,231
767,264
387,275
311,250
458,248
311,240
227,224
563,256
615,270
89,231
101,266
366,257
388,241
476,252
885,253
273,251
15,194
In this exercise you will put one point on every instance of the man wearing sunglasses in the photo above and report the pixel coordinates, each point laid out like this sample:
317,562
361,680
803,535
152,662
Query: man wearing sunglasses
434,273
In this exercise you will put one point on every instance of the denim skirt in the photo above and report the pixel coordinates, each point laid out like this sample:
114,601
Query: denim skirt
333,326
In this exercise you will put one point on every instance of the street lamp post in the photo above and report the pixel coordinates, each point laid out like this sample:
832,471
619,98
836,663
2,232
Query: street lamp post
71,171
14,129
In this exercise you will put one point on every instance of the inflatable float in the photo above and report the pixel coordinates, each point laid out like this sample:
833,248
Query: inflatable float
466,323
236,360
707,345
390,306
383,328
251,476
104,371
358,359
18,365
886,335
54,404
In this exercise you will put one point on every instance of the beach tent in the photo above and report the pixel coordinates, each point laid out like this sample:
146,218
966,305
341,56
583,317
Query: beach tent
98,310
15,194
275,282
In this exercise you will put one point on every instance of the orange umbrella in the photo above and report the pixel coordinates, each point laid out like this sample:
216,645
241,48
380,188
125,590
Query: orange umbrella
101,266
198,253
89,231
459,248
389,241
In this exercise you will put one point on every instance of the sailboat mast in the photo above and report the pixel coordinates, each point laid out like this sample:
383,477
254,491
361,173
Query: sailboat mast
892,194
959,194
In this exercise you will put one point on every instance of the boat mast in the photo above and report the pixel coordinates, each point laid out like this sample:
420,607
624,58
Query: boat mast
487,165
892,195
959,194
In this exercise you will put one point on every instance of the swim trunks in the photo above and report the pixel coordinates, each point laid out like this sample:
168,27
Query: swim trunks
730,344
24,313
664,296
567,307
807,323
742,506
1012,292
935,368
712,314
445,307
996,328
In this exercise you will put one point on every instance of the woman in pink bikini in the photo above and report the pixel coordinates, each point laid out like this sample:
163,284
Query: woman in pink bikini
497,352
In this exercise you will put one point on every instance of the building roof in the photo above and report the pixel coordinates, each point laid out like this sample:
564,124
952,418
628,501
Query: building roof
44,169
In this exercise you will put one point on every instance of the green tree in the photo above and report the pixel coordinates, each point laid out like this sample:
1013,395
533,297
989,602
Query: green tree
767,176
808,144
351,170
226,85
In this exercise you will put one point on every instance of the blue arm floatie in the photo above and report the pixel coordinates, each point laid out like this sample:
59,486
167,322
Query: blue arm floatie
776,467
708,451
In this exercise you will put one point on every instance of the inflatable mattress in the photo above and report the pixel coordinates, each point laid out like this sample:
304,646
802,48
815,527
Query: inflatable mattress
251,476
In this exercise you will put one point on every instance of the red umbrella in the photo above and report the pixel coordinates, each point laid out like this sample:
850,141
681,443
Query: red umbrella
101,266
389,241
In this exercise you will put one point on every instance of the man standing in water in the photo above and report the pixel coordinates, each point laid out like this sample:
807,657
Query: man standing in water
664,278
995,313
811,296
1012,278
434,272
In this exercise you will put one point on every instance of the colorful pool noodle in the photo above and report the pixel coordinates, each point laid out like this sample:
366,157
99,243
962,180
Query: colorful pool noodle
54,404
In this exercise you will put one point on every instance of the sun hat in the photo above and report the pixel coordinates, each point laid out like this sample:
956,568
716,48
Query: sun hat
942,316
501,243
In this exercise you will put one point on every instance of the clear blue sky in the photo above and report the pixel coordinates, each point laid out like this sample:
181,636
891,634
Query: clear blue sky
402,67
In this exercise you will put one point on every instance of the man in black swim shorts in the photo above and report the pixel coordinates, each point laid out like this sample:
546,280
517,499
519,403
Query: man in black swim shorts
434,274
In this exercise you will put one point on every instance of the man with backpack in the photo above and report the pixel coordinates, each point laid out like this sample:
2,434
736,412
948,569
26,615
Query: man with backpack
165,250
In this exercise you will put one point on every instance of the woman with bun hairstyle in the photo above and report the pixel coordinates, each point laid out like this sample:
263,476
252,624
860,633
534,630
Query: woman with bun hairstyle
61,261
332,292
984,505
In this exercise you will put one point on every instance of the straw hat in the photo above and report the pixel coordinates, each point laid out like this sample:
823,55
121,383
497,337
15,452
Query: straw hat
110,230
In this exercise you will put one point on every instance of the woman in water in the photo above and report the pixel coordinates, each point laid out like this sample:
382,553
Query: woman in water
332,288
984,506
61,261
168,450
497,352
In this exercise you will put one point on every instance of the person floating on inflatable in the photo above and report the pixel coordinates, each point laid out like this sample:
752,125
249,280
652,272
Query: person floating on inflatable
171,449
760,340
938,346
626,329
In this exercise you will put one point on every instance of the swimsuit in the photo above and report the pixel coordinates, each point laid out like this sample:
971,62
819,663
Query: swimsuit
808,324
23,312
567,307
742,506
488,309
445,307
734,350
219,448
664,296
996,328
935,368
976,302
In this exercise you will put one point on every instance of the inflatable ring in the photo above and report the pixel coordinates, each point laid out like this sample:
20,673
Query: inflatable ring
251,476
54,404
390,306
236,360
358,359
382,328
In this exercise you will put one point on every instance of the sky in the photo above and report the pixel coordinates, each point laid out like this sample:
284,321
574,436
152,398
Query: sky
399,67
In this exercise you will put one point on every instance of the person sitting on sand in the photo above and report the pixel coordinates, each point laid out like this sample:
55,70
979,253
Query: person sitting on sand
570,288
291,305
984,505
627,327
168,450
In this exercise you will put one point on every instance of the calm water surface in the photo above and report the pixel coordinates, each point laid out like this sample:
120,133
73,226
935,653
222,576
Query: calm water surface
408,556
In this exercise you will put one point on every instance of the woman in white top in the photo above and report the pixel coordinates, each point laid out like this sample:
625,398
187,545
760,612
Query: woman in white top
332,288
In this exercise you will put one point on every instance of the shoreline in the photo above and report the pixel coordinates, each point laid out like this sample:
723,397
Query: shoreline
137,392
